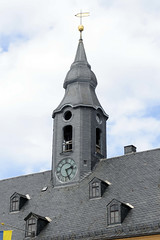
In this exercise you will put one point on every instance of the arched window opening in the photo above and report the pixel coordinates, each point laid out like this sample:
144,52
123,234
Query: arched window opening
67,138
98,140
95,189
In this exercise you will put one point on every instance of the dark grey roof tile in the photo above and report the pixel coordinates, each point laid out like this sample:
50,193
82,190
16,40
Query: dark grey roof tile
134,178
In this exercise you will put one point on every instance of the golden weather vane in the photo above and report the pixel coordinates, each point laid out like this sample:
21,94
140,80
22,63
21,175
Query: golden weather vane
81,15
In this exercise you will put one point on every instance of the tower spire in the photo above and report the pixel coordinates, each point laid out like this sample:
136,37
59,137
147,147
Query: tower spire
80,70
81,27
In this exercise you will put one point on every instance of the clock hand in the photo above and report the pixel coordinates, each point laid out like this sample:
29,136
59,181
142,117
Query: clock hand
71,167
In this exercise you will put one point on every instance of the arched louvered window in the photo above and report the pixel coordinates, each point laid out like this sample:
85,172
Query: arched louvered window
67,138
98,140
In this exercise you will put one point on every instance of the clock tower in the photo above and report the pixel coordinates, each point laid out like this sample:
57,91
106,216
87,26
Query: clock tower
79,132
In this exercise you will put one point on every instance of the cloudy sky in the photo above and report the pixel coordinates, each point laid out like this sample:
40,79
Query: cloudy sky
38,42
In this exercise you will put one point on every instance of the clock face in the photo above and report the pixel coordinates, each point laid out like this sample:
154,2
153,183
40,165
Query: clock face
66,169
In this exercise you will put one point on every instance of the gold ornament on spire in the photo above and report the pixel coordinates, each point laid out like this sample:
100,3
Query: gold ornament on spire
81,27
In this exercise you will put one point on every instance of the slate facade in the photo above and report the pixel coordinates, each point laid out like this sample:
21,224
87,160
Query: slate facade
117,197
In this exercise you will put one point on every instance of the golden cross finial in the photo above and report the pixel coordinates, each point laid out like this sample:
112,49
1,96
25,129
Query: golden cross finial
81,27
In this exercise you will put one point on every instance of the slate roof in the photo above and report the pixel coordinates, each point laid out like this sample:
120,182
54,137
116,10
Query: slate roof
80,69
134,178
80,84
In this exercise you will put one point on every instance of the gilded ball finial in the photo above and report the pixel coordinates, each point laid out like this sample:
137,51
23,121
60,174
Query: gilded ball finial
80,28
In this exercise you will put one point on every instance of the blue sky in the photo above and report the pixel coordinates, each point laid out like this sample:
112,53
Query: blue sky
38,42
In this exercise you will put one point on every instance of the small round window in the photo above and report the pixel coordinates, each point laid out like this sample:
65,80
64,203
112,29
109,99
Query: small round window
67,115
98,118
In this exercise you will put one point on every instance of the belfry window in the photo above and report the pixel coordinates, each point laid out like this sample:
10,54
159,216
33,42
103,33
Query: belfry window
98,140
67,138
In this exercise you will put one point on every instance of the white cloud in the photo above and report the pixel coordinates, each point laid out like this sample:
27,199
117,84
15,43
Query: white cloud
122,44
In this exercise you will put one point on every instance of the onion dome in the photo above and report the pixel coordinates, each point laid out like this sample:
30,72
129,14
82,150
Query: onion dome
80,70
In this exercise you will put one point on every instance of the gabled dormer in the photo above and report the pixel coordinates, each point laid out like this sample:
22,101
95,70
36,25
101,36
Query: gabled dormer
97,187
17,201
117,212
35,224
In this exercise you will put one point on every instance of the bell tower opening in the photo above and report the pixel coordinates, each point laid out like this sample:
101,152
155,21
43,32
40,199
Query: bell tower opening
67,138
98,140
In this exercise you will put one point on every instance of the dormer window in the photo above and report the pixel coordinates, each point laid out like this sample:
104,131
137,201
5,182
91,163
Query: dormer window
14,204
117,211
114,213
17,201
35,224
31,227
97,187
67,138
